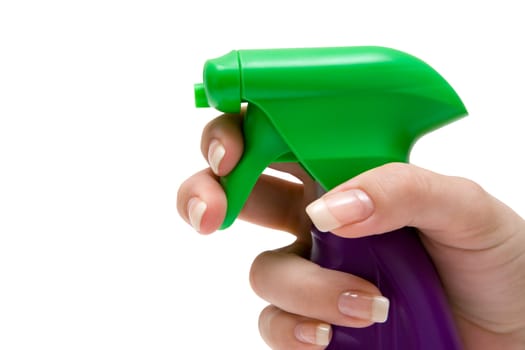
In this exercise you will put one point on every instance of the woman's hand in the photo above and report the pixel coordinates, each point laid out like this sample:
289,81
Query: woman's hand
476,242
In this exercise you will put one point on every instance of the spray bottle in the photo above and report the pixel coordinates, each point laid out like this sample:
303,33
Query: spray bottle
339,112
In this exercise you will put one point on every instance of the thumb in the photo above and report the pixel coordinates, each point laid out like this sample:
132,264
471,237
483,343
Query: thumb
451,210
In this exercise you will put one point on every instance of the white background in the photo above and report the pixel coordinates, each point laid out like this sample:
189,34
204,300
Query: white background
98,130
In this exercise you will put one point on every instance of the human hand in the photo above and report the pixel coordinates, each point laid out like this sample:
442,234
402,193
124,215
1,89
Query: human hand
476,242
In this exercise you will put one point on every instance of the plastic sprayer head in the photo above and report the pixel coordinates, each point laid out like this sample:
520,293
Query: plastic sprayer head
221,88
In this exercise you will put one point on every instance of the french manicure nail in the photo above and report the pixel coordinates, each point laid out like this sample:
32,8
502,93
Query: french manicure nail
334,210
196,210
313,333
363,306
216,153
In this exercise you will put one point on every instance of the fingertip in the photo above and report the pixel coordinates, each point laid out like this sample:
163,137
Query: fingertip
212,218
201,202
337,209
283,330
370,308
315,333
196,210
216,153
222,143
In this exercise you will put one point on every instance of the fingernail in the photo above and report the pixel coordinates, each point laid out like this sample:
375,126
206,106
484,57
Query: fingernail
313,333
196,210
334,210
216,152
363,306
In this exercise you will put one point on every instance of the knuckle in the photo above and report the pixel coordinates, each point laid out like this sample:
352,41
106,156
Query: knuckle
479,204
256,273
265,322
405,179
275,330
473,191
266,318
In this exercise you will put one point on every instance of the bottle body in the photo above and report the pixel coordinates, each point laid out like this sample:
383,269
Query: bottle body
397,263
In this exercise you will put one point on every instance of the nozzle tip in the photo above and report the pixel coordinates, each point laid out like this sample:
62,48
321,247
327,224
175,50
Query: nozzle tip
201,100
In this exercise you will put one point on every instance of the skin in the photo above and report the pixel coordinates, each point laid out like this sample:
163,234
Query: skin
476,242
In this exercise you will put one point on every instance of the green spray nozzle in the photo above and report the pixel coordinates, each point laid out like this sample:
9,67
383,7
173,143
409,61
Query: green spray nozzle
337,111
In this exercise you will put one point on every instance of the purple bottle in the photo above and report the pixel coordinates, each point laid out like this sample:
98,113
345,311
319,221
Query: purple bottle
396,262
